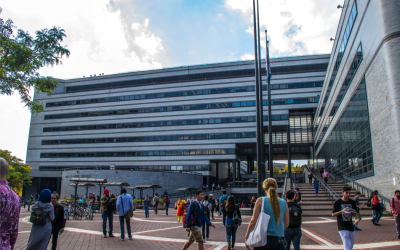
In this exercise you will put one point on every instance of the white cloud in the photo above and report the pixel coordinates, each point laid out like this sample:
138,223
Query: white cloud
247,56
294,27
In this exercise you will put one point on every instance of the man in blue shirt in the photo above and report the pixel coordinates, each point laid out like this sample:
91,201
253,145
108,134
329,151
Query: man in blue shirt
124,203
196,211
222,202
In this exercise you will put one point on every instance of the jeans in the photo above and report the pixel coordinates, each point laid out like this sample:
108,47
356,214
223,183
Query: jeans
378,215
273,242
205,230
294,185
122,227
212,212
155,208
310,180
146,212
397,220
223,216
316,189
166,210
54,233
231,228
109,215
295,235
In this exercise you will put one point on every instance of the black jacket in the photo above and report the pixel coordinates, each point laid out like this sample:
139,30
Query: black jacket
229,214
59,221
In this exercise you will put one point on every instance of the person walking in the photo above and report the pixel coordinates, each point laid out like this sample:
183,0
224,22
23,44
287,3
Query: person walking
40,235
107,207
196,211
205,228
146,206
343,210
166,203
124,204
376,206
156,199
293,232
222,202
298,198
213,186
321,171
252,203
316,186
395,209
9,210
59,222
310,175
326,176
231,226
358,217
295,180
279,221
214,205
181,205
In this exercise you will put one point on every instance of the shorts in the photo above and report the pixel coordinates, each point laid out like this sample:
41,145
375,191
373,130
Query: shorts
195,234
358,216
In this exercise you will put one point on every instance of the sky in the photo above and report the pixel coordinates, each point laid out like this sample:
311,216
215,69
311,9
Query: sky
114,36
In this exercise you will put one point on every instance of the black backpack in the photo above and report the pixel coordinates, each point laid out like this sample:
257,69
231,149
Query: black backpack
369,204
294,221
223,202
112,206
38,216
167,202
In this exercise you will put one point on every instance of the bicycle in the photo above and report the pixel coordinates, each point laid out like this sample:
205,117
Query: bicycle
89,213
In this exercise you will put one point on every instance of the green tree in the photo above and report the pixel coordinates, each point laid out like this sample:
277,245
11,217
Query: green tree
18,176
21,57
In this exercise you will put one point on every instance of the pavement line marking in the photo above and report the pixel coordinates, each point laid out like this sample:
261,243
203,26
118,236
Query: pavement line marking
316,237
220,247
155,230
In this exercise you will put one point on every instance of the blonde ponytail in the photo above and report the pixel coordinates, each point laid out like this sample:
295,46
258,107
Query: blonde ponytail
270,186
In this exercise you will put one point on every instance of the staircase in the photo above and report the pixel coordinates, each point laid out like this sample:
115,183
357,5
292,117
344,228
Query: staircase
322,205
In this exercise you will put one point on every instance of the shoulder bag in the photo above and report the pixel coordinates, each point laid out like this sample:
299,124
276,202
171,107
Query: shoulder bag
258,237
236,217
128,214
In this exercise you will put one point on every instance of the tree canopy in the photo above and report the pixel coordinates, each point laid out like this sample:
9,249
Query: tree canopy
18,176
21,57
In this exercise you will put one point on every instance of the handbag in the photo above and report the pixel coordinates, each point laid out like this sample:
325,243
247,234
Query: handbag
258,237
128,214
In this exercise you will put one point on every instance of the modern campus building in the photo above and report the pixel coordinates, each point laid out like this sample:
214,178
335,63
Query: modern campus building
187,126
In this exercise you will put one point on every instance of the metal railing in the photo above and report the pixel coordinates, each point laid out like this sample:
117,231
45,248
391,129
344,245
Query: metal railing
284,187
364,189
329,191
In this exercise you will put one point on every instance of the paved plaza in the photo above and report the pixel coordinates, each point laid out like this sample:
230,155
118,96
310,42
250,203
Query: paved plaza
162,232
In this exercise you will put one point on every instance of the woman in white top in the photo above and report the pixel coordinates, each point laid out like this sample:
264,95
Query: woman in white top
277,208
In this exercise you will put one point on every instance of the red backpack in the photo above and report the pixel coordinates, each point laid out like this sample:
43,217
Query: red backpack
192,218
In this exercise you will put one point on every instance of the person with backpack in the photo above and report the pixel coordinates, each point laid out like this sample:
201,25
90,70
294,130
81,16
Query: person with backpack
9,209
376,206
156,199
233,220
293,232
222,202
326,176
41,217
59,222
343,210
358,217
194,218
395,209
310,175
166,203
146,206
316,186
125,211
181,205
298,198
108,208
275,207
214,205
205,228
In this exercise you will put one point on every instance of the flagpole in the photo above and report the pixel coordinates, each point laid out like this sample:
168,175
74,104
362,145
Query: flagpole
270,156
258,118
